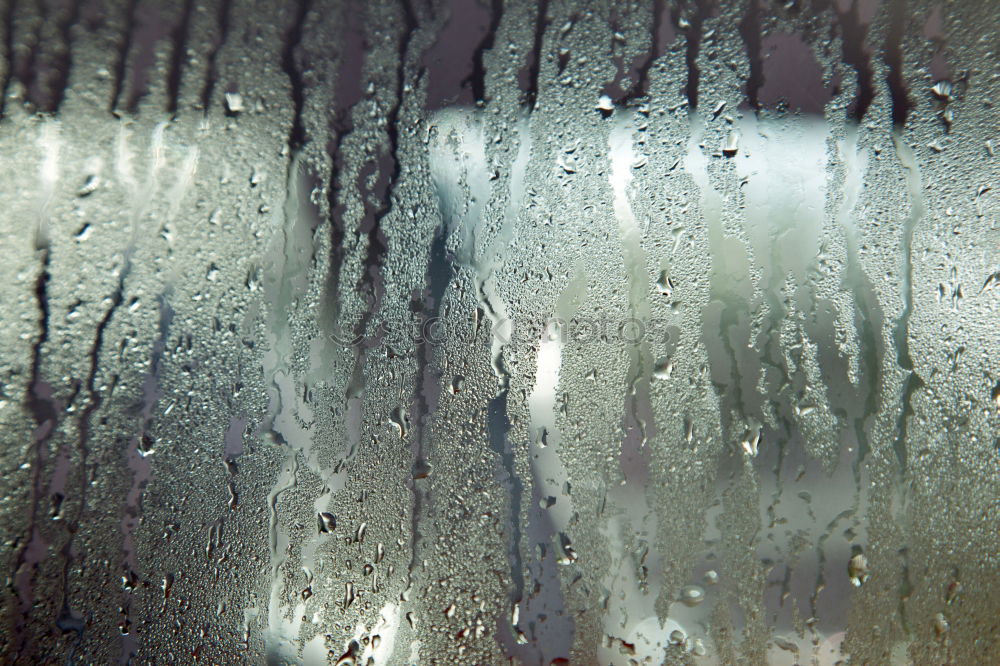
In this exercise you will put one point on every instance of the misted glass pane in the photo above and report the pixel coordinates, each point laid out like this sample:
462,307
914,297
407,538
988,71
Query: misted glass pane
486,332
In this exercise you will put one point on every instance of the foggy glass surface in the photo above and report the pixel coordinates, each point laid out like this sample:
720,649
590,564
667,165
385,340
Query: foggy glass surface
498,332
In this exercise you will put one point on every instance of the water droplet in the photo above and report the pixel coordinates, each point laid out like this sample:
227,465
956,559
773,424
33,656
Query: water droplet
569,555
234,103
941,625
857,569
568,163
90,185
327,522
399,421
663,369
942,90
692,595
751,443
731,144
664,284
805,409
349,595
605,105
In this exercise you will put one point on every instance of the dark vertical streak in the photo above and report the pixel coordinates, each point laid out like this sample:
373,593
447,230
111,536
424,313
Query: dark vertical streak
63,62
212,71
377,247
141,472
541,21
853,33
94,401
348,94
331,305
901,103
45,411
177,57
123,50
27,69
297,135
8,53
478,76
498,426
750,32
641,83
439,274
693,33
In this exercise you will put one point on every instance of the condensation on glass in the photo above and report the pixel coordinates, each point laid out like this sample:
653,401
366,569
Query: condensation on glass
500,332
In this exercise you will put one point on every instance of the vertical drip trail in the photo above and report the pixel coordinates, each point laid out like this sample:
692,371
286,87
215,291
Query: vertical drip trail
637,594
901,330
640,87
45,411
750,31
63,60
543,612
531,85
288,414
498,312
478,76
94,401
40,401
458,171
293,70
178,57
143,197
341,125
694,35
212,70
869,319
25,68
140,447
334,472
857,55
284,623
426,394
7,56
124,48
371,281
728,257
901,103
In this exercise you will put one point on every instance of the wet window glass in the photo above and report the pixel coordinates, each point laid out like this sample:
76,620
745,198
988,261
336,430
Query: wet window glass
489,332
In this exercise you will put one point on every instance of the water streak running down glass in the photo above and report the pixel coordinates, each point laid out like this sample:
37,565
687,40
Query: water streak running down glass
486,332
